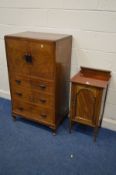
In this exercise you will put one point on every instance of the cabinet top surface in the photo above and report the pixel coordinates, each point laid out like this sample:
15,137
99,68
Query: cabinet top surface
39,36
92,77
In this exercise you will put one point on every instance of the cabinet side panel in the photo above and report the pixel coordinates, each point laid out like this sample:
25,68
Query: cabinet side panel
98,106
63,62
10,70
103,102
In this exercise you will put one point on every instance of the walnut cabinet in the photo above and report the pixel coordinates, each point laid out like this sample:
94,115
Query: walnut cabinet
39,73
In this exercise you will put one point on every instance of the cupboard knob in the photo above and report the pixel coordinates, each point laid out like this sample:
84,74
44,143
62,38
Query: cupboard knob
42,45
87,82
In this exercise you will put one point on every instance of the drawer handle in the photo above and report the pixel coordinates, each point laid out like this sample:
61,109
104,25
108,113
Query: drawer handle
19,94
42,100
20,108
43,86
43,115
28,58
18,81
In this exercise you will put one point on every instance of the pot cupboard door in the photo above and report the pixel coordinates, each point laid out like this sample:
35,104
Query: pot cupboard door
85,100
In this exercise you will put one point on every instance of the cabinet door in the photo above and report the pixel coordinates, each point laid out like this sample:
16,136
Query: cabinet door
34,58
16,51
84,104
42,59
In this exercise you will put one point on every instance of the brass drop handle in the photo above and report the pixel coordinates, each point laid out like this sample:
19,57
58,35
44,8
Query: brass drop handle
43,115
20,108
18,81
42,100
18,94
28,58
43,86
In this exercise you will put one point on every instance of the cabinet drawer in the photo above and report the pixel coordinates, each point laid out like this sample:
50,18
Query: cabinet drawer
34,97
33,112
18,82
35,58
30,84
43,99
22,94
42,86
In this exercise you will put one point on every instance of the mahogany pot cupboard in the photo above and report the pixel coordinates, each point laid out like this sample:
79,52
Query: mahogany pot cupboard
88,97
